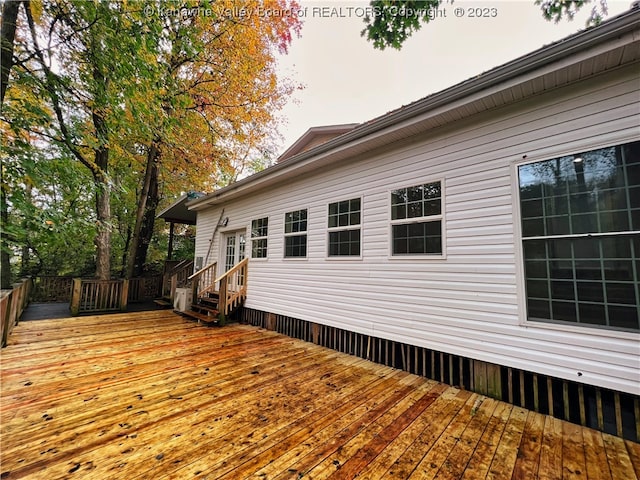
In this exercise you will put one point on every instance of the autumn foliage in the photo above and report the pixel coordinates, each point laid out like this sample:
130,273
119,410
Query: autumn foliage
151,98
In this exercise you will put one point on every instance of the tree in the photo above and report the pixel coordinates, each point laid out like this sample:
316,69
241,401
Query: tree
221,94
7,37
393,22
80,86
556,10
91,59
7,42
144,105
49,215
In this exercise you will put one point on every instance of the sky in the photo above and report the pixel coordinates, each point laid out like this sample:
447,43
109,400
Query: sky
346,80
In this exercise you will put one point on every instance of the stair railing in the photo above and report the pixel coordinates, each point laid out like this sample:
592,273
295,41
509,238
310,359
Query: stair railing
169,271
203,281
180,276
233,287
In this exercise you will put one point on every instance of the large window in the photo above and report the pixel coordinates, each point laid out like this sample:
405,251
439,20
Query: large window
344,239
581,237
416,220
259,232
295,236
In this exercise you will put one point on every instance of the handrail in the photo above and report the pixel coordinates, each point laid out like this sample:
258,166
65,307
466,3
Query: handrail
178,277
232,270
169,282
205,277
201,271
233,288
182,264
12,304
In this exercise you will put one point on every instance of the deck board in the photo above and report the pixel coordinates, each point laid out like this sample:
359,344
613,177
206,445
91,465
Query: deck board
153,395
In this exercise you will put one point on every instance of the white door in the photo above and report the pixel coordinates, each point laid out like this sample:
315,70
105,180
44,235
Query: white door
235,245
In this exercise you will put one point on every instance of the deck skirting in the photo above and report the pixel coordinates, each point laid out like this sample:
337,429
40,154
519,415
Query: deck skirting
609,411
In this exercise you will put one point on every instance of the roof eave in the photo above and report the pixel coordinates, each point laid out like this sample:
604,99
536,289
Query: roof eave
547,55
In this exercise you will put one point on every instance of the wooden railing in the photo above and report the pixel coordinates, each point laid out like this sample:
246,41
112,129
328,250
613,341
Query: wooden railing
98,295
50,288
12,304
203,281
233,288
143,288
180,277
176,276
169,266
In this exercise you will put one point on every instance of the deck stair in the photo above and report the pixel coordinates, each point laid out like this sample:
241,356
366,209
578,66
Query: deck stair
176,276
215,298
205,309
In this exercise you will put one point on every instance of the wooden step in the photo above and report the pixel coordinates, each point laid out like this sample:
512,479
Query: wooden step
201,317
208,303
163,302
205,308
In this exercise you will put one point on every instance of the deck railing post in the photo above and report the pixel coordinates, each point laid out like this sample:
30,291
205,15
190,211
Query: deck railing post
222,300
194,288
24,296
5,315
29,287
76,292
124,295
174,285
13,304
166,285
16,306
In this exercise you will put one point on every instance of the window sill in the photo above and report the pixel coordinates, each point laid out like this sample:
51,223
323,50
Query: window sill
410,257
581,329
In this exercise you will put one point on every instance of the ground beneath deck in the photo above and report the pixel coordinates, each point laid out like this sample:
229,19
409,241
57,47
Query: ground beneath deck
150,395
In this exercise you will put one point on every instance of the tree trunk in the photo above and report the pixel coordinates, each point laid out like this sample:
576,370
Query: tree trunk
7,39
125,252
152,159
5,266
101,179
103,212
148,222
25,268
8,35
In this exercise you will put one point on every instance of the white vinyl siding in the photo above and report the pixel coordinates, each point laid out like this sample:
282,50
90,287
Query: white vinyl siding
470,303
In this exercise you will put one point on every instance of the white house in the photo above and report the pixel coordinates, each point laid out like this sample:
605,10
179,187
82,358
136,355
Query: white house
496,223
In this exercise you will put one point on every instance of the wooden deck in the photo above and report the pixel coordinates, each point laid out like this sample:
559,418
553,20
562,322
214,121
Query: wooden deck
154,396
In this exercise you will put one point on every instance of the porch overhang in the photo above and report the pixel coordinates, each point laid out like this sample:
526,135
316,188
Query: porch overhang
178,212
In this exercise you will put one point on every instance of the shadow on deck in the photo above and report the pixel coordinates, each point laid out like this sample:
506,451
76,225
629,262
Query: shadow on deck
153,395
54,310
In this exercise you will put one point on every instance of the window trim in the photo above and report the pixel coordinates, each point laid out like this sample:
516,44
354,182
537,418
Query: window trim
521,291
294,234
442,217
251,238
342,258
